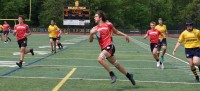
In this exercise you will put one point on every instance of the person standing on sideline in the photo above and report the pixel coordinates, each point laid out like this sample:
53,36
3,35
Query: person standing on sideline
1,31
162,44
154,40
190,38
22,31
107,46
6,28
52,35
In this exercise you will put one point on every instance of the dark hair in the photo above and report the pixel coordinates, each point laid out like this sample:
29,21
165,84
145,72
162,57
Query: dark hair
102,15
22,17
189,21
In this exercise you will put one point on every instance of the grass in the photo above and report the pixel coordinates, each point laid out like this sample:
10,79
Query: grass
44,72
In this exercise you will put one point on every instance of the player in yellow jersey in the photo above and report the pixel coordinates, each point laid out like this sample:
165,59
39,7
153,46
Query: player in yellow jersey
52,35
163,44
1,31
190,38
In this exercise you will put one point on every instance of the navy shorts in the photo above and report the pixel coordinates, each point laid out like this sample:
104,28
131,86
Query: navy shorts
54,39
5,32
163,42
110,49
153,45
22,42
191,52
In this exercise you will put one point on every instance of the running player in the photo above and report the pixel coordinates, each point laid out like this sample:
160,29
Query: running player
107,47
58,35
154,39
190,38
52,35
163,29
6,28
1,31
21,31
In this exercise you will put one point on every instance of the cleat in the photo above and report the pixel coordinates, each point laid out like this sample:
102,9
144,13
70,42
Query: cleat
162,59
31,50
54,52
19,64
197,78
162,66
158,64
113,78
131,79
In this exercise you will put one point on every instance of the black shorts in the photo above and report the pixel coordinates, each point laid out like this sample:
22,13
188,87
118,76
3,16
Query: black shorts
1,31
22,42
5,32
191,52
163,42
153,45
110,49
58,38
54,39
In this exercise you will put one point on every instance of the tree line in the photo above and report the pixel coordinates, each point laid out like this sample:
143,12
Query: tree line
127,14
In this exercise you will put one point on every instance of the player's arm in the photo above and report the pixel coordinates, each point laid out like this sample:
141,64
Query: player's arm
14,32
180,40
116,31
162,36
146,35
92,32
28,31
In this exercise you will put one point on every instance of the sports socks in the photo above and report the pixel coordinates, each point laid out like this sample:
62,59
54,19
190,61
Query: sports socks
194,72
111,73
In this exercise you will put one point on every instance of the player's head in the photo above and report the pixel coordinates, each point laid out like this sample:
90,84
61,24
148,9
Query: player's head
52,22
5,22
99,16
21,18
152,24
160,21
189,24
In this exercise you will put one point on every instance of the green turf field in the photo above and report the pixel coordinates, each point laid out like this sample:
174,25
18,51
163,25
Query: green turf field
75,68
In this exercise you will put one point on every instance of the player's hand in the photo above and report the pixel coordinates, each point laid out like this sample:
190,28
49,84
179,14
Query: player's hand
174,52
127,38
161,40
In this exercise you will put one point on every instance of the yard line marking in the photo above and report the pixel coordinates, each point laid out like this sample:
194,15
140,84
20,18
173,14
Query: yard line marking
64,80
90,79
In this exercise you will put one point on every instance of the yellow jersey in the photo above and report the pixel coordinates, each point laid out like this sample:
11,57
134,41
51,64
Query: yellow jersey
190,39
52,30
1,27
162,29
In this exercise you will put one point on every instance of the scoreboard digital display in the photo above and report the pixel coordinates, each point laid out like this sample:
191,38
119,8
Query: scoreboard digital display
76,15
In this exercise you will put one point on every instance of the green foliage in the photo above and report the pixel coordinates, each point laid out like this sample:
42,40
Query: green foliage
122,13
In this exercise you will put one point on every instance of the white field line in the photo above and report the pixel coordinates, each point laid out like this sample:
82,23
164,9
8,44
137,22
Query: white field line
89,79
142,43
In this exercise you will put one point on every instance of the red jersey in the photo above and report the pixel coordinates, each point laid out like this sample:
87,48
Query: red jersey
21,30
154,35
6,27
105,34
58,33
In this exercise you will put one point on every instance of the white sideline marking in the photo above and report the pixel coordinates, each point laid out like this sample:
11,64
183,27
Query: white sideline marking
148,49
52,78
69,43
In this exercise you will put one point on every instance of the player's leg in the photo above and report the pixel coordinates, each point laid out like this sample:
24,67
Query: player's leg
54,45
164,49
51,44
22,51
114,61
1,35
101,59
154,50
58,43
192,66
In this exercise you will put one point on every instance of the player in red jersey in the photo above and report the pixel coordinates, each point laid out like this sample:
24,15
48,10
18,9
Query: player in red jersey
58,35
107,47
6,28
21,31
154,40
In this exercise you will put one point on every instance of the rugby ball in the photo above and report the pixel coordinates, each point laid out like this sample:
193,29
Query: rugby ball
96,35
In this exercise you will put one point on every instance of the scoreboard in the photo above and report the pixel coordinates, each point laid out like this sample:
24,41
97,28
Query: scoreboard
76,15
